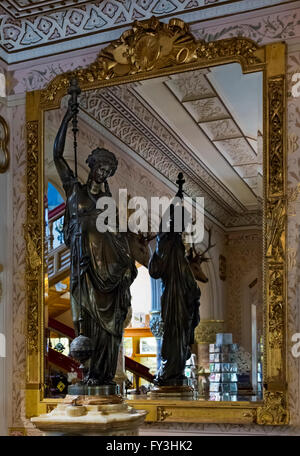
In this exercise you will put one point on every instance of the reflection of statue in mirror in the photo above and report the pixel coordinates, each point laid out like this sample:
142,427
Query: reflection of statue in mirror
179,304
106,269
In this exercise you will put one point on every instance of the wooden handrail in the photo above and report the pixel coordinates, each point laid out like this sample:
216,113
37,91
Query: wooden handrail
56,213
138,369
61,328
64,362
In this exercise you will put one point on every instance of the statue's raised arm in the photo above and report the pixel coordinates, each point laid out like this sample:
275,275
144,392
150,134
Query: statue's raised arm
65,173
102,269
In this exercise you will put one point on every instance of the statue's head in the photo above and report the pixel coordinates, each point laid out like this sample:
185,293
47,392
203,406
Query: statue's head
176,218
103,164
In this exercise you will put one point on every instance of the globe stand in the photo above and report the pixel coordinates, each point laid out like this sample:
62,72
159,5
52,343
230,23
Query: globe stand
81,349
91,416
90,410
80,389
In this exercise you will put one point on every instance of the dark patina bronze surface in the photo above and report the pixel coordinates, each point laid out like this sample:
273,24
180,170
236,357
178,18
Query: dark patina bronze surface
180,302
106,268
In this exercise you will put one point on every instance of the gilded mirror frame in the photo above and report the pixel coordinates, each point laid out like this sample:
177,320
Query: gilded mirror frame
149,49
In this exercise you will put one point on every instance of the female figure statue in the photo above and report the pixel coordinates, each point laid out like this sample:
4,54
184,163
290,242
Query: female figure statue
106,268
179,305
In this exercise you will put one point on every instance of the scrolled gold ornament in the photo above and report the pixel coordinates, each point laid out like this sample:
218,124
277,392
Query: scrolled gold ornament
149,46
274,412
4,139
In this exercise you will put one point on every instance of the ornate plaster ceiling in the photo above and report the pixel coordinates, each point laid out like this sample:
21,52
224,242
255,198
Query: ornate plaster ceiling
30,24
37,28
198,95
23,8
130,116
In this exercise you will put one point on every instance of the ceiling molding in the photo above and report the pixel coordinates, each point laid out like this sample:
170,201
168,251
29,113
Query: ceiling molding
119,111
36,28
25,8
199,96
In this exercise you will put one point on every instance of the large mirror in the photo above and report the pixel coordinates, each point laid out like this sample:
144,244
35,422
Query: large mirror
211,123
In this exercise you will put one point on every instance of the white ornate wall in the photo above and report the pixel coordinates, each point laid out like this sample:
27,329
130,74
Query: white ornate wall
261,26
5,277
243,258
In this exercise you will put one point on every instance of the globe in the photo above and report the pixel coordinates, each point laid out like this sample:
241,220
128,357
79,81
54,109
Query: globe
81,349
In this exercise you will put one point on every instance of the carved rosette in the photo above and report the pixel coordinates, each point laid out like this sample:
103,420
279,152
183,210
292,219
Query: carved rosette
33,236
151,46
205,332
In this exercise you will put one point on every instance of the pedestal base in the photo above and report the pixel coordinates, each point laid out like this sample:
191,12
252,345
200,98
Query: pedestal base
84,390
171,391
91,415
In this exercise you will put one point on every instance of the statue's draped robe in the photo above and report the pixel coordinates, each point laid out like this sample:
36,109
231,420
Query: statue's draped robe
107,271
179,305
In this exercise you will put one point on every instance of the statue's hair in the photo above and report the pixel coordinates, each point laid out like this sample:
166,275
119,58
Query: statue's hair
100,155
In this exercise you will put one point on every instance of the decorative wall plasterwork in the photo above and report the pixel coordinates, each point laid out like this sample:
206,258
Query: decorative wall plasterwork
18,146
1,269
293,239
244,253
50,22
268,28
38,76
25,8
126,117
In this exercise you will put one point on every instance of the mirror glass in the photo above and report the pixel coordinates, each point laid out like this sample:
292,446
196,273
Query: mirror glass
207,124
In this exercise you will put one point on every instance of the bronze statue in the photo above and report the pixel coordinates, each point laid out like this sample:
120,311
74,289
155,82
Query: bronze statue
106,270
180,302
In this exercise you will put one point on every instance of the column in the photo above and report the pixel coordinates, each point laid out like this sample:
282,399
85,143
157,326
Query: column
205,334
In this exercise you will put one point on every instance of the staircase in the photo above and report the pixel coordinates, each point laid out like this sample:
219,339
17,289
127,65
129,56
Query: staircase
67,364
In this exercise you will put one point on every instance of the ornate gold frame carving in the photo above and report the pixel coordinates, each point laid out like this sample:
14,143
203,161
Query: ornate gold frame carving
150,49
